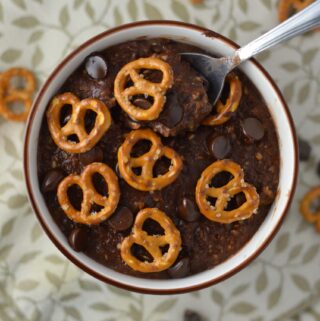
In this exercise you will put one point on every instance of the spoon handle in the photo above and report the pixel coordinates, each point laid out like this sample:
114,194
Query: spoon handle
303,21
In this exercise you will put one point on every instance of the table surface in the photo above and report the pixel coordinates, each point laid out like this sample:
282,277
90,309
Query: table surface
38,283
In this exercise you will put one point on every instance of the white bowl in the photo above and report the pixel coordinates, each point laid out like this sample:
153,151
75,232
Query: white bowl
217,45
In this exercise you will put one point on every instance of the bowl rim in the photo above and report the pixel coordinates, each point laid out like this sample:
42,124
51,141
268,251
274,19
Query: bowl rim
55,240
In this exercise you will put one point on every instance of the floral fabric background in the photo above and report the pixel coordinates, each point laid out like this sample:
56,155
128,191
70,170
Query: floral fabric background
38,283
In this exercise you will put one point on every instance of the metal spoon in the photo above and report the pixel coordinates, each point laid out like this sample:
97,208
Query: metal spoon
215,70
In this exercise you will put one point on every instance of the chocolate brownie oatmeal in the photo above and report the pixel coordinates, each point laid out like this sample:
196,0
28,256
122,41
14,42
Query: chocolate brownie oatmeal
142,174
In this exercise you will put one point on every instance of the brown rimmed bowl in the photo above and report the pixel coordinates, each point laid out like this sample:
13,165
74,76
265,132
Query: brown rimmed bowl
212,43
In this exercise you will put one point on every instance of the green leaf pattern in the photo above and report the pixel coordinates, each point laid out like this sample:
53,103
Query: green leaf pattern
34,275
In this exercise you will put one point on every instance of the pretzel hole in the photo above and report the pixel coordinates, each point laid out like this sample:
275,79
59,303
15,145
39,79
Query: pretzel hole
99,184
236,201
18,82
137,171
73,138
17,106
65,114
75,196
142,101
221,179
315,205
164,249
140,148
141,253
152,227
212,201
153,75
95,208
128,82
161,167
89,120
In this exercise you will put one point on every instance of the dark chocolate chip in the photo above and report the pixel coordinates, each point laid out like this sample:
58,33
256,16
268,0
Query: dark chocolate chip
219,147
253,129
93,155
122,219
187,210
180,269
142,103
96,67
51,180
173,113
190,315
304,149
78,239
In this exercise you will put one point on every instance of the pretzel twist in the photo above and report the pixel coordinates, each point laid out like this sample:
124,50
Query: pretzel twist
143,87
152,243
76,124
223,194
10,94
306,207
90,195
224,111
147,161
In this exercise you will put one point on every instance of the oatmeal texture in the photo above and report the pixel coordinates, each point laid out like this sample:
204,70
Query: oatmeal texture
249,138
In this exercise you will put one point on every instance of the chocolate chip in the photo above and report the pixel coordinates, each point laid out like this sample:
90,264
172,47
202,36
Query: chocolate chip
187,210
93,155
78,239
96,67
142,103
51,180
253,129
304,149
180,269
122,219
190,315
173,112
219,146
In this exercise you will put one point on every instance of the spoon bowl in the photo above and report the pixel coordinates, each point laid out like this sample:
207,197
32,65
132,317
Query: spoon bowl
213,69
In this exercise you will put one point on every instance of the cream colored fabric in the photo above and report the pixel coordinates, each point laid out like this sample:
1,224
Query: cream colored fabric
38,283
